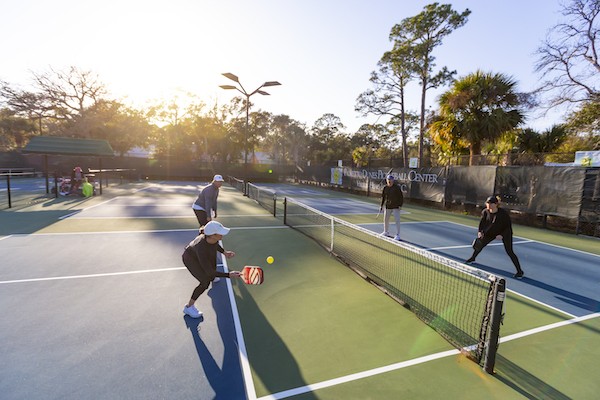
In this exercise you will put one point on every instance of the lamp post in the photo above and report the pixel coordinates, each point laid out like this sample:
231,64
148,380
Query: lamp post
243,91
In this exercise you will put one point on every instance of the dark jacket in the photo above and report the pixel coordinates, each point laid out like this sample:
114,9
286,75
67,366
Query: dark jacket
392,197
494,224
205,254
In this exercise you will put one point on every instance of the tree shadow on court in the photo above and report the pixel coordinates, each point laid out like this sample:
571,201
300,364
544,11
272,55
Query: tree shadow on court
26,218
24,222
271,360
525,383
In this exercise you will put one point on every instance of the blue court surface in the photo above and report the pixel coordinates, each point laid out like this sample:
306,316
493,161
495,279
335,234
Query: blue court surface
559,277
96,312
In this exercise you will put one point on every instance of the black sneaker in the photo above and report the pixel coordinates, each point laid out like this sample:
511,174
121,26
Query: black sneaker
518,275
470,260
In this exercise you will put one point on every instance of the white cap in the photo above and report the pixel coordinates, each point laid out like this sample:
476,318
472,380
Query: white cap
214,227
218,178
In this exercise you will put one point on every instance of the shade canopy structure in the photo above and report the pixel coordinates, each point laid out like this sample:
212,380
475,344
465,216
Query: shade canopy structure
51,145
61,146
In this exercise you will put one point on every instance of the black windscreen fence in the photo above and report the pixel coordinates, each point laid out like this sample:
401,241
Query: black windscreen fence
566,192
542,190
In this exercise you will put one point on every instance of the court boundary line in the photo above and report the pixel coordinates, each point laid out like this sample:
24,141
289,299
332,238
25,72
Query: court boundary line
241,344
100,275
536,241
542,303
420,360
163,217
521,238
86,208
470,246
140,231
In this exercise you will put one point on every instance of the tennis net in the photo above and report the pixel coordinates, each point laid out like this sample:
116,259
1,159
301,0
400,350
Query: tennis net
265,197
456,300
237,183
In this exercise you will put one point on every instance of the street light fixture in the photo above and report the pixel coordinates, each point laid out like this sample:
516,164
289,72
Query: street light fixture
243,91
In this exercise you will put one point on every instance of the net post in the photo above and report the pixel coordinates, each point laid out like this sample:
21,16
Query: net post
496,321
275,204
8,189
285,210
332,234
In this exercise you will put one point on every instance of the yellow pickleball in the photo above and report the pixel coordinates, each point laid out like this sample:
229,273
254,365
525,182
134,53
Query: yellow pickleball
270,259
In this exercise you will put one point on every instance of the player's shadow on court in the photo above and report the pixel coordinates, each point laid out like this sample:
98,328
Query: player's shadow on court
220,378
577,300
572,298
530,386
271,359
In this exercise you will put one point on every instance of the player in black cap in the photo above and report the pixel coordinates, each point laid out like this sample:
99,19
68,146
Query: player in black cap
495,223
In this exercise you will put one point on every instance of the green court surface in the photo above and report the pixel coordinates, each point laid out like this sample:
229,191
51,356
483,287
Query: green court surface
316,330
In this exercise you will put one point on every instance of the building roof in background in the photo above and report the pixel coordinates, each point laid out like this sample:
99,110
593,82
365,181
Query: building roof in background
68,146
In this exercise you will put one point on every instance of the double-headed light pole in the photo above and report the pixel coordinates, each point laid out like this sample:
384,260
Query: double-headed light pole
241,89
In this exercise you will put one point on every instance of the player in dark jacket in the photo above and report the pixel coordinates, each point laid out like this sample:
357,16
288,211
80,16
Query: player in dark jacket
392,198
495,223
200,258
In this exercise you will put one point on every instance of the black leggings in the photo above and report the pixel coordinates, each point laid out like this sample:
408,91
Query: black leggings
193,266
507,240
202,217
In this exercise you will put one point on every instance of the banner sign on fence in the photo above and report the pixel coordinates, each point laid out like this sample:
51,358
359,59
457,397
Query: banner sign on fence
587,158
336,176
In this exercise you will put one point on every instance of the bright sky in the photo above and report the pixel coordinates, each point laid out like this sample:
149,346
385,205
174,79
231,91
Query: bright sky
322,51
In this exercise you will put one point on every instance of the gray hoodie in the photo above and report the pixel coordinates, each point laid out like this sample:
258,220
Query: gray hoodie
207,199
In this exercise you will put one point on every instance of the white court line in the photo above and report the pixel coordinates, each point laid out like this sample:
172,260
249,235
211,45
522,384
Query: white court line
523,240
403,223
360,375
465,246
381,370
548,327
536,241
140,231
58,278
243,353
542,303
176,216
248,381
87,208
151,205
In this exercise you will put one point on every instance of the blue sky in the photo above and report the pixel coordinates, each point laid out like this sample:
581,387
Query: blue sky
322,51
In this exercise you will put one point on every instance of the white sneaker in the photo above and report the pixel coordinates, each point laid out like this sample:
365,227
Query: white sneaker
397,237
192,311
386,234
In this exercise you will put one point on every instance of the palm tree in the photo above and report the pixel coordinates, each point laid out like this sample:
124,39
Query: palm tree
479,107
